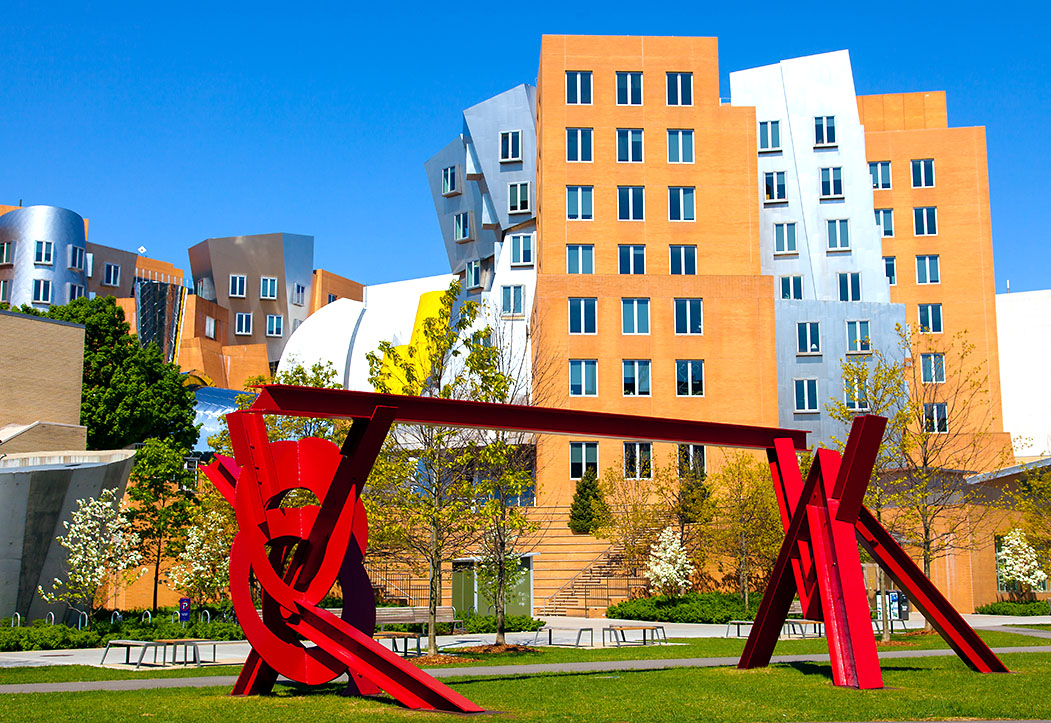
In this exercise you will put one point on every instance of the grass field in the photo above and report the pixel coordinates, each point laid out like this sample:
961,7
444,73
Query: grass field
917,689
1035,627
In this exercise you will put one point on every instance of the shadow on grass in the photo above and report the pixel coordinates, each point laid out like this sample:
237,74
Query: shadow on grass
824,670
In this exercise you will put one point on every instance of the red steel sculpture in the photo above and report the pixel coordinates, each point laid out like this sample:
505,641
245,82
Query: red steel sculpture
296,555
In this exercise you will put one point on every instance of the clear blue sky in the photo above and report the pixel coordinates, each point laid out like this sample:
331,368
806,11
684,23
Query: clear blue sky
169,125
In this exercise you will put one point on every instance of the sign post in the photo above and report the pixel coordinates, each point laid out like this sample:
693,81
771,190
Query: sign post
184,610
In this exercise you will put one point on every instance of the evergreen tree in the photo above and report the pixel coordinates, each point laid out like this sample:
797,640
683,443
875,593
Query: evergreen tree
587,511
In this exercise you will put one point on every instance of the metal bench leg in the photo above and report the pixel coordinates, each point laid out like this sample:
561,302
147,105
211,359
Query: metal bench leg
142,655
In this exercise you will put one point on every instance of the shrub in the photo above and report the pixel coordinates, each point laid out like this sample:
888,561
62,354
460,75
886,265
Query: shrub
708,607
1005,607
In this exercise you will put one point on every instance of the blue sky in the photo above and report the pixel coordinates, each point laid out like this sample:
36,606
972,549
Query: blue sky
169,126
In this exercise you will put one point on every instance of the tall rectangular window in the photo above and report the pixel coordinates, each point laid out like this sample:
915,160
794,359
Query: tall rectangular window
583,377
579,145
825,130
885,222
629,88
855,395
680,88
858,339
518,197
785,238
579,204
931,318
583,457
275,325
580,259
636,377
680,145
630,203
933,368
635,316
510,146
578,87
923,173
473,274
583,316
41,291
629,145
688,314
838,235
774,187
808,337
792,287
890,268
299,295
512,300
850,286
769,135
5,290
638,460
238,284
111,275
76,258
449,184
522,249
689,377
806,395
45,252
691,460
832,182
243,323
462,226
927,270
7,253
925,220
880,172
936,418
631,259
680,203
683,260
267,287
209,327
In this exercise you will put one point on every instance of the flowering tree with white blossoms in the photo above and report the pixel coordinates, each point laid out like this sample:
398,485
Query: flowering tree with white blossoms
203,570
1019,563
102,547
669,567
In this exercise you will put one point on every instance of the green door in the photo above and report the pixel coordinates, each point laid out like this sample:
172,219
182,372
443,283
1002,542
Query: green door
463,587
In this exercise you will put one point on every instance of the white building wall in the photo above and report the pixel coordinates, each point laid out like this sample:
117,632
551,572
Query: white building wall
1023,323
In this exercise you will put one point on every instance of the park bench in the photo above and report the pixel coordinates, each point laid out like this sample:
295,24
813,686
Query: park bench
579,631
129,644
618,637
195,644
790,627
411,616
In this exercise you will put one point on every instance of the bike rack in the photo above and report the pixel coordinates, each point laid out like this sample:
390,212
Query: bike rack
147,617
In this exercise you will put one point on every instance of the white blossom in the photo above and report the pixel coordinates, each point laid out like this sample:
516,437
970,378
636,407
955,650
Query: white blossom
669,567
203,570
1019,563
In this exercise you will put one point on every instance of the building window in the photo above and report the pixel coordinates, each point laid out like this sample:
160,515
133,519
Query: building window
885,222
635,316
808,337
680,145
580,259
512,300
579,203
636,377
880,172
825,130
522,249
637,460
518,197
243,326
578,145
209,327
583,457
775,187
927,271
838,235
629,145
923,173
449,184
629,88
832,182
688,316
7,252
680,88
936,418
931,318
268,287
850,286
1003,585
299,295
473,274
855,395
925,221
785,238
5,290
510,146
806,395
858,339
462,226
75,291
331,298
769,135
680,203
111,276
578,87
792,287
683,260
275,325
41,291
45,252
691,460
629,203
238,284
933,368
76,258
583,377
689,377
890,268
631,259
583,316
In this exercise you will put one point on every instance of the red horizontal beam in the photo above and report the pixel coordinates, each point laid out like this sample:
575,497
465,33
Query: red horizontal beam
341,403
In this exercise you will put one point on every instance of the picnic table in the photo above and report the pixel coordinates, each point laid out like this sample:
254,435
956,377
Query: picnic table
617,634
579,631
129,644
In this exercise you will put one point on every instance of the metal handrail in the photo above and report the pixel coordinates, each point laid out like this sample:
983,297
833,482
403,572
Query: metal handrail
607,553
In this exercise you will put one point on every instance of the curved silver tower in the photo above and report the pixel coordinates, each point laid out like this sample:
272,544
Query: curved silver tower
42,256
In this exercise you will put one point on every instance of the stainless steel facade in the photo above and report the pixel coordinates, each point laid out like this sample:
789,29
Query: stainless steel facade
63,229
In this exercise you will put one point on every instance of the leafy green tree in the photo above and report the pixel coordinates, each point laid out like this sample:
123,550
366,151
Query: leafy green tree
588,508
1033,499
162,502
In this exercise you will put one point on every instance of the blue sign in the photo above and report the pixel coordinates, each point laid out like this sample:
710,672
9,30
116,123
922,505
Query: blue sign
184,610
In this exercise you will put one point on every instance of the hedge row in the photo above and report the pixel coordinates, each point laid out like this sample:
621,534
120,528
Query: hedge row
693,607
1033,607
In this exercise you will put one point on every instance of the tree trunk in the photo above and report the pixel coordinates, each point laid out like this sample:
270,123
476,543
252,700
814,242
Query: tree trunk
927,556
156,575
743,571
881,582
501,589
434,595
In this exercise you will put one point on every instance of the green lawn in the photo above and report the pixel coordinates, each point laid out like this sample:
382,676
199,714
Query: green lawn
917,689
1035,627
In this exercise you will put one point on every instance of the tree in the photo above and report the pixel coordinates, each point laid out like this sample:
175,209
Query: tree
1033,500
669,567
101,547
203,569
588,508
160,489
1019,563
